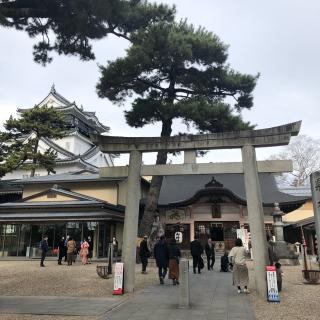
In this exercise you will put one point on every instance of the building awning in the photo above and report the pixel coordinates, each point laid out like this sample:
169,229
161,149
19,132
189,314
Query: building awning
43,216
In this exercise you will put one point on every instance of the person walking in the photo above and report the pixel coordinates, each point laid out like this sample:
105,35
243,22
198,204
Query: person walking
44,249
90,249
161,254
237,256
62,250
144,254
174,257
71,248
196,252
84,251
209,249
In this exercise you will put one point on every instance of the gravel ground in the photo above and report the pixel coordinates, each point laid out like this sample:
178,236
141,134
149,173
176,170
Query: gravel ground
299,301
26,278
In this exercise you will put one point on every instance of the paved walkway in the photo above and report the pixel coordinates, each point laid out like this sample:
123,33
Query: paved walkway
69,306
212,297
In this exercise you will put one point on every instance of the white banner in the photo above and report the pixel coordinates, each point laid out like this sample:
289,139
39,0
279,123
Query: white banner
118,279
273,294
178,236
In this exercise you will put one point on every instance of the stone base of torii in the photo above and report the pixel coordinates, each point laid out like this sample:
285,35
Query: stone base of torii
246,140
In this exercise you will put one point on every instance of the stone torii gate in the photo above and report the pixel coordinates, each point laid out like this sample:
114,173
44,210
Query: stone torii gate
246,140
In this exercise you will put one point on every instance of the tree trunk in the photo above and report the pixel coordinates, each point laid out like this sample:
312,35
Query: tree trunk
155,187
34,160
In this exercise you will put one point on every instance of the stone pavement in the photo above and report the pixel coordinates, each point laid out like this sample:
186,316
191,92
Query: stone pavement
75,306
211,293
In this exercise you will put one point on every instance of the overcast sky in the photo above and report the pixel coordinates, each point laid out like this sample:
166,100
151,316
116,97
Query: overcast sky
277,38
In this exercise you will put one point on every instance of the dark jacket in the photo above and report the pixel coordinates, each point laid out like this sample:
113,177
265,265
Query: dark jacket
90,242
144,250
62,247
174,252
44,246
196,248
209,250
161,254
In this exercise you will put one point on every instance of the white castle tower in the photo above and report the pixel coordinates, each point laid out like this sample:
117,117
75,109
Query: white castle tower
75,152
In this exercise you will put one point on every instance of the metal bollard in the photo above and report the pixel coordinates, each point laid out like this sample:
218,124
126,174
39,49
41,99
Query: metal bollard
184,291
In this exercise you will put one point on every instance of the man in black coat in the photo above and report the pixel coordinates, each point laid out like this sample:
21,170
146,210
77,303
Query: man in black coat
209,249
44,249
196,252
62,250
161,254
144,254
90,249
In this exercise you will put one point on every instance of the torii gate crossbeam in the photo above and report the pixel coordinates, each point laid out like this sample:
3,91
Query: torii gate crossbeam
246,140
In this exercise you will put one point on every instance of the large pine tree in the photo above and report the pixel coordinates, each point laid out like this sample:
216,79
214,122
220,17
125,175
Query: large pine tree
24,134
68,26
176,71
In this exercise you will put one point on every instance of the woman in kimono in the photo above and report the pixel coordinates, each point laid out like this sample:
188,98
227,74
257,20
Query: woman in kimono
84,251
174,257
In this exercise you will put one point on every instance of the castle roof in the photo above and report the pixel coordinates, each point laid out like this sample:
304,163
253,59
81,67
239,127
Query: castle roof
85,121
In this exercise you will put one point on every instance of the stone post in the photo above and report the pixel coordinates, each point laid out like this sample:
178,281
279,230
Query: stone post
256,218
184,290
131,220
190,156
315,189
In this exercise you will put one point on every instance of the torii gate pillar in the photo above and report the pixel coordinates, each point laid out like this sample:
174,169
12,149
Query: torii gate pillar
256,216
131,220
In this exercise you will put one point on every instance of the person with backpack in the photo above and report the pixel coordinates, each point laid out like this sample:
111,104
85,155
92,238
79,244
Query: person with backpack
71,249
44,249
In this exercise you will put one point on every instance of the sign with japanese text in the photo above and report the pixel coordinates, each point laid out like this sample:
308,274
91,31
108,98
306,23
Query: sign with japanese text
118,279
178,236
273,294
315,189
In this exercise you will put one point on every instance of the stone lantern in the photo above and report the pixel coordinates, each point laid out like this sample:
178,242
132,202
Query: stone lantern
277,222
284,251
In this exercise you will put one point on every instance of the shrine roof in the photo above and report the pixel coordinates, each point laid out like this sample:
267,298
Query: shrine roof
184,190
